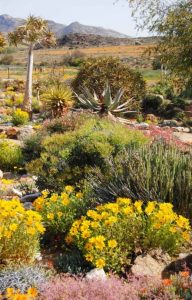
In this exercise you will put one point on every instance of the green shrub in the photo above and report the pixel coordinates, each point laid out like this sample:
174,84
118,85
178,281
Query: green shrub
112,234
68,158
10,155
158,171
95,72
20,117
56,99
152,102
7,60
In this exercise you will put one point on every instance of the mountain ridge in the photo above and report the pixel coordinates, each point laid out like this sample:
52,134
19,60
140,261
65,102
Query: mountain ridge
9,23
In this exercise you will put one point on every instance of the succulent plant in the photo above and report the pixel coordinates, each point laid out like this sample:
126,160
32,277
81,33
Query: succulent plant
105,105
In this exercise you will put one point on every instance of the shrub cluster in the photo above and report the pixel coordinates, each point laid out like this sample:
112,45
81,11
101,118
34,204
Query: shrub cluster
59,211
19,232
20,117
10,155
111,234
95,72
68,158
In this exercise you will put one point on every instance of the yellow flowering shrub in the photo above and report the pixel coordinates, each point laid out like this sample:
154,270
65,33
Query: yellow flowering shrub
60,211
109,235
12,294
19,232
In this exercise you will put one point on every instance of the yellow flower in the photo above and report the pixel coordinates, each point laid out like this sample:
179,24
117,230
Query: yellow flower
9,292
110,221
50,216
32,292
79,195
68,239
138,206
125,201
45,193
128,210
89,257
73,231
69,189
183,222
88,246
112,243
94,225
172,229
59,214
13,227
86,234
65,202
150,207
186,236
100,263
99,242
54,198
31,231
7,234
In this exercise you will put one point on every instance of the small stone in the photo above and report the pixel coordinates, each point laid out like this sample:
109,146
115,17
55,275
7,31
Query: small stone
146,265
97,274
28,206
12,132
17,192
1,174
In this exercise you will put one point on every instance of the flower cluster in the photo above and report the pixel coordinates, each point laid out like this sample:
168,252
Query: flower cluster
59,211
111,233
12,294
19,231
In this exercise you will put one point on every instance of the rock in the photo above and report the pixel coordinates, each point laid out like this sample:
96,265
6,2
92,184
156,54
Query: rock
17,192
142,126
170,123
146,265
98,274
30,198
181,129
28,206
12,132
1,174
25,132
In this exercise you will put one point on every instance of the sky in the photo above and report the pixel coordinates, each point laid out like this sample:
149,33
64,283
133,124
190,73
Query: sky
104,13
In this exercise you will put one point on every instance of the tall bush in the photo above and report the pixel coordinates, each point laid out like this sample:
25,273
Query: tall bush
157,171
95,72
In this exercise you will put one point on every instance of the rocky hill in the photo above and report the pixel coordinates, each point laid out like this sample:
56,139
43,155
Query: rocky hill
76,40
8,23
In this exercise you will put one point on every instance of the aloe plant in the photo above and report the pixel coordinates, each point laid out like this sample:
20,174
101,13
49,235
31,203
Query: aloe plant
105,105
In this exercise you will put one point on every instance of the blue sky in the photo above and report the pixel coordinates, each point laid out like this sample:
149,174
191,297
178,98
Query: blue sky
89,12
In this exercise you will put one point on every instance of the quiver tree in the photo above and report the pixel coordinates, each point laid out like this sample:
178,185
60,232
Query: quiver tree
2,41
33,33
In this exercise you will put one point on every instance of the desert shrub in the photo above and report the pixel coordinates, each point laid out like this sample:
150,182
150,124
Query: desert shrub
158,171
156,64
110,235
20,232
71,261
163,88
59,211
134,288
95,72
67,158
60,125
10,155
16,85
22,278
56,99
13,99
20,117
75,59
36,106
32,146
152,102
7,60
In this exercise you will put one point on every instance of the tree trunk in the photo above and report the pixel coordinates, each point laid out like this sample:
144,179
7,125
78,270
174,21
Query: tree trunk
27,103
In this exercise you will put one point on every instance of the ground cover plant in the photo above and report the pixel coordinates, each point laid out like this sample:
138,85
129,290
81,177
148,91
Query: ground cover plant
109,235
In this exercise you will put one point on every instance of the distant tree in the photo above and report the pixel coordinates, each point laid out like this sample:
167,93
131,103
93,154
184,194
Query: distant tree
34,32
151,13
2,41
